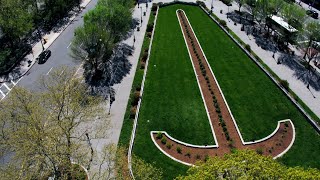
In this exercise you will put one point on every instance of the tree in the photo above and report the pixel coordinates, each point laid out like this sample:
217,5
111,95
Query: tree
294,15
251,7
263,10
114,15
15,20
141,169
311,32
247,164
94,43
276,5
45,132
240,3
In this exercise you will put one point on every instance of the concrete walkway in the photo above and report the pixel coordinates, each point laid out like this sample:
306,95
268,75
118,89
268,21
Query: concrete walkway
122,90
310,96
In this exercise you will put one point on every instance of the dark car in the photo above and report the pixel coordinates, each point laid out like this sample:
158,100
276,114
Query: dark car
44,56
312,14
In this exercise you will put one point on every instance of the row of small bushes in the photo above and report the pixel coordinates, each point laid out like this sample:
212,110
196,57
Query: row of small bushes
164,141
204,74
169,145
143,59
134,102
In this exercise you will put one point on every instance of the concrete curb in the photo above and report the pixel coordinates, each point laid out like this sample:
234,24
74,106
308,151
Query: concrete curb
135,124
235,123
195,73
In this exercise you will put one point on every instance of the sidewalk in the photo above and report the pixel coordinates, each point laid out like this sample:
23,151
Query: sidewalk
307,7
310,97
24,66
122,90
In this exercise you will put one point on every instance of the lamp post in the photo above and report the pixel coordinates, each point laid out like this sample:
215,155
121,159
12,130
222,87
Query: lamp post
37,24
211,5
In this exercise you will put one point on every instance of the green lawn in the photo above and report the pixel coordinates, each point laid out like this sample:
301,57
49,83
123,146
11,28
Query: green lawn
172,101
255,101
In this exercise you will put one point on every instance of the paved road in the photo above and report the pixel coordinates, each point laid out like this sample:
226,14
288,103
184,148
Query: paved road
60,53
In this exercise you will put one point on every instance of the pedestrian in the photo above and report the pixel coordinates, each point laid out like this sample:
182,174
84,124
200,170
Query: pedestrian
112,99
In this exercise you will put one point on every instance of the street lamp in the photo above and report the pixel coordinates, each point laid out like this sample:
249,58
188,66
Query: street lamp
37,25
228,12
211,5
39,34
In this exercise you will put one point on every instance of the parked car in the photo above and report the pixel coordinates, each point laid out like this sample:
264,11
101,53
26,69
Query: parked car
312,14
44,56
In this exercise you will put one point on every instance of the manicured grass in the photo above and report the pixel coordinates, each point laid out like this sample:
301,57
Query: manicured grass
172,101
255,101
127,122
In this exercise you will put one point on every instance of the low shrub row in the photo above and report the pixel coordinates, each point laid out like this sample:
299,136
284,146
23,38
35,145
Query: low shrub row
204,74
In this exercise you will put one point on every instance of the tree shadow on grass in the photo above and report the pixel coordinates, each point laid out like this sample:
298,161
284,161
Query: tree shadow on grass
308,76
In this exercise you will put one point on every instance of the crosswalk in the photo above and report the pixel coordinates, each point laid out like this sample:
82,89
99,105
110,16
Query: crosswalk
6,87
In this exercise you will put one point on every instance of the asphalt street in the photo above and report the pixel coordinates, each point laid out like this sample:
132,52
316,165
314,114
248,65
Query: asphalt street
60,53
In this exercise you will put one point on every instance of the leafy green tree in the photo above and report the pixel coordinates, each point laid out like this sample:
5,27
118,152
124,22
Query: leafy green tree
141,169
275,6
294,15
42,133
246,164
240,3
263,10
94,43
15,20
311,33
251,7
115,15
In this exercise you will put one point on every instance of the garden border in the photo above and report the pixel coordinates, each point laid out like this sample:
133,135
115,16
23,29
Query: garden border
224,99
235,124
311,121
135,124
195,73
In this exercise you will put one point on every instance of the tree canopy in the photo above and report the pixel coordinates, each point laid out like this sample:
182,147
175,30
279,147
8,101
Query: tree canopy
247,164
15,20
95,41
42,133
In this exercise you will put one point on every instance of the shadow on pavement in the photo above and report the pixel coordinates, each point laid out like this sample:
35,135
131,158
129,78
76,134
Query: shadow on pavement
113,71
307,76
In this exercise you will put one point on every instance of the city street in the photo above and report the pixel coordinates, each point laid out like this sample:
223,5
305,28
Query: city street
59,54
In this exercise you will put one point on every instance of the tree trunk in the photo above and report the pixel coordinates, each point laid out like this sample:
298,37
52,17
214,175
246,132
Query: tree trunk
309,44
